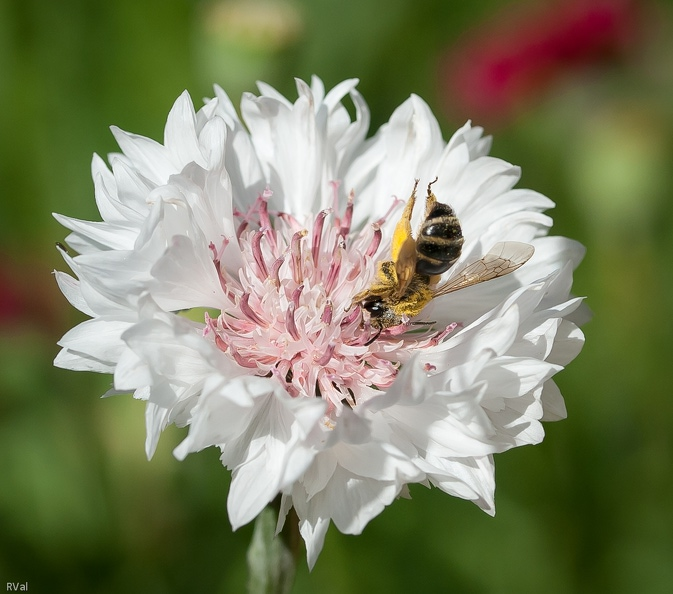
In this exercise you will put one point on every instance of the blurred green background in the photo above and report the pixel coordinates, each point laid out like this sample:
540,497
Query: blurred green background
589,510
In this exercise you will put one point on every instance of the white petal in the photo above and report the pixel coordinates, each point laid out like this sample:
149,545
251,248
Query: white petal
186,277
351,501
413,144
447,425
76,361
278,453
131,372
468,478
156,420
551,254
105,188
472,347
180,133
151,159
70,287
97,341
290,146
554,405
213,142
88,234
509,377
117,276
132,187
568,343
312,526
174,350
482,181
319,473
224,411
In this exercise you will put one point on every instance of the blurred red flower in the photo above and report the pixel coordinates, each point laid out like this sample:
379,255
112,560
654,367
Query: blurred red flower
501,65
11,300
27,296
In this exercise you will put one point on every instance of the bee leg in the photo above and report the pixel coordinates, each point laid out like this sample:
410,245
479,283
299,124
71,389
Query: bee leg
430,201
373,338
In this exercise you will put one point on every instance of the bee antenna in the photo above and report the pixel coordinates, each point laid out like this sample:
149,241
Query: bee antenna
432,182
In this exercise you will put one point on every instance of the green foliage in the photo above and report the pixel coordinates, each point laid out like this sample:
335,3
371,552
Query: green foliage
82,510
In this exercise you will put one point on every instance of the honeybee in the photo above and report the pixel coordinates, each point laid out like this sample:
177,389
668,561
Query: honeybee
407,282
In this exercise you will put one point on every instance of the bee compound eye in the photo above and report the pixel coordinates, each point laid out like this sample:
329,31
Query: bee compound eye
374,307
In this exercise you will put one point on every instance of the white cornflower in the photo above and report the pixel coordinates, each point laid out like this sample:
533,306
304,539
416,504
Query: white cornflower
266,227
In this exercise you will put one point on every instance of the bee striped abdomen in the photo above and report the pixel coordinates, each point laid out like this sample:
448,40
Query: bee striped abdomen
440,241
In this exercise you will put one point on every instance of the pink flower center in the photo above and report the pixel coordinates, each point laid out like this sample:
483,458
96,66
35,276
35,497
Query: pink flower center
291,315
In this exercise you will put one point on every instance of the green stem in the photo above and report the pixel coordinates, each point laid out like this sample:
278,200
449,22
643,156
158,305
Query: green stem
272,561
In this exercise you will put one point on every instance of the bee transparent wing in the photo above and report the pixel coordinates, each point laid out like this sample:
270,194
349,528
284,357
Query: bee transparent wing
502,259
